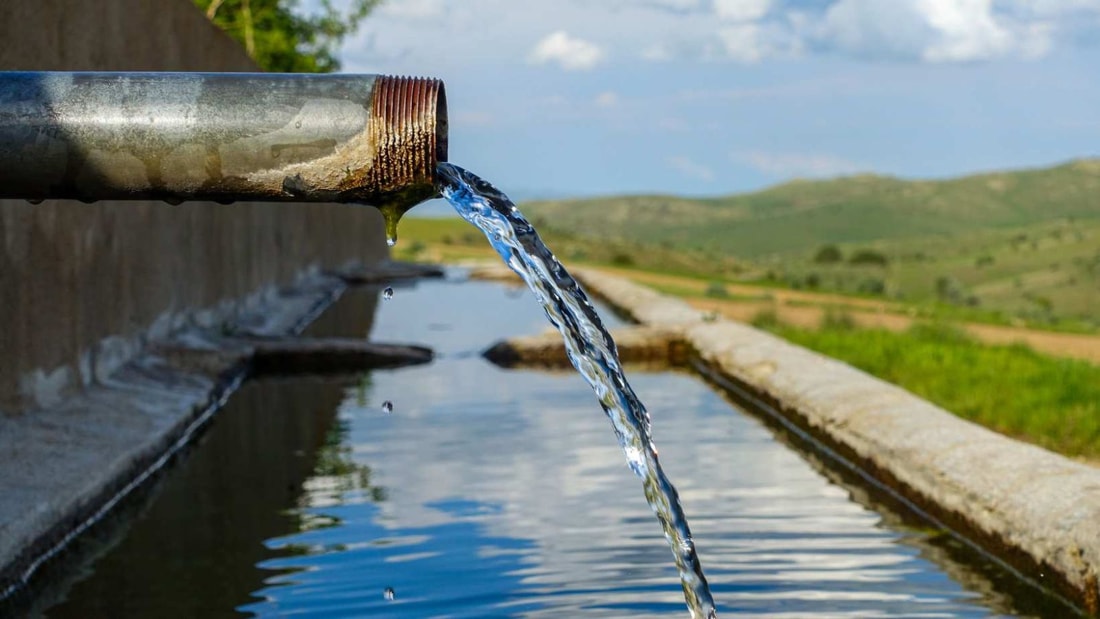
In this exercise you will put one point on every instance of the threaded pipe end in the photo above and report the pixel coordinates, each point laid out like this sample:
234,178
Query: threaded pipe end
409,126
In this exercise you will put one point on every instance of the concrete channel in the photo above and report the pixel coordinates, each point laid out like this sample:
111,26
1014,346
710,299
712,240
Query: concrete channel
1035,510
69,466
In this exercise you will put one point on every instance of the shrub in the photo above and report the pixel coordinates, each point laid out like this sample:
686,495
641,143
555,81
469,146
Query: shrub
950,290
838,320
869,257
716,290
873,285
829,254
766,319
622,259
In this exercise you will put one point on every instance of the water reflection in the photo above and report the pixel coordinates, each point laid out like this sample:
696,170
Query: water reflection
520,466
192,552
494,493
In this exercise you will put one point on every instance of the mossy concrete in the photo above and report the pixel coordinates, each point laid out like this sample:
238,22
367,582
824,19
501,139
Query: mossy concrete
68,465
640,345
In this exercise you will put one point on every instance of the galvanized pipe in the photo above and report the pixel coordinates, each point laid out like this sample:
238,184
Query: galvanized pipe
224,137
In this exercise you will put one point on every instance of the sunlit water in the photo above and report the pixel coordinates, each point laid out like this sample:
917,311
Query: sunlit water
495,493
592,352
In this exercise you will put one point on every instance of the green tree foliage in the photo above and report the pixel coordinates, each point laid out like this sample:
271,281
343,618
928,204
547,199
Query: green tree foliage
869,257
282,39
829,254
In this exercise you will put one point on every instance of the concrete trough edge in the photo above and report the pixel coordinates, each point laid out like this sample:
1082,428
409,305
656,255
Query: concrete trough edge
66,467
1034,509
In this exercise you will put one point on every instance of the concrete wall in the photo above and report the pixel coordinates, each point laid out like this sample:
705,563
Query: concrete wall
82,285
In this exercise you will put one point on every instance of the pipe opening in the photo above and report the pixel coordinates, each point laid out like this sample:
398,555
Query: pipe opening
441,127
409,116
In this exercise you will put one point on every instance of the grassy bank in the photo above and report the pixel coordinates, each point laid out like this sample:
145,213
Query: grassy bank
1050,280
1051,402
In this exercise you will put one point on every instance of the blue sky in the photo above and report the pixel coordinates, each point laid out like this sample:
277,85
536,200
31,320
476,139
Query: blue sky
703,97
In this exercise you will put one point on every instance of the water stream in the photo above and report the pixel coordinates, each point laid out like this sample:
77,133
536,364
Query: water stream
591,350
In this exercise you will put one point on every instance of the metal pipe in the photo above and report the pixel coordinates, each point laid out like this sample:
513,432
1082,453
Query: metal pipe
224,137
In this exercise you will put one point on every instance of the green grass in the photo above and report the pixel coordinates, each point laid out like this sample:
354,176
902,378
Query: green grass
456,237
1011,389
1014,390
798,217
1011,248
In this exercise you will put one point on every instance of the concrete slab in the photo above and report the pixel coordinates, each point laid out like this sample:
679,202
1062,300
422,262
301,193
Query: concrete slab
63,465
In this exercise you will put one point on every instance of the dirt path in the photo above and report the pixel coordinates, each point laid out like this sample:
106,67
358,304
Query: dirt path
806,309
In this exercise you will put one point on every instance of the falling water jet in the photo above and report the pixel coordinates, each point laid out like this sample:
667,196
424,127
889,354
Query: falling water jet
592,352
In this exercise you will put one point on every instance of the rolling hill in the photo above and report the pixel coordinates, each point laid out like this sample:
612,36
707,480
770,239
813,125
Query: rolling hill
800,216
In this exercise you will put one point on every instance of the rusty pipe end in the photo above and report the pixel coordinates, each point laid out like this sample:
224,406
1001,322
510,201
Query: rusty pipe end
408,125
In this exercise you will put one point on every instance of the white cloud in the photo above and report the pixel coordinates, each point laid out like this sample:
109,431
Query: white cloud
656,52
607,99
745,31
891,28
743,43
741,10
1051,8
689,168
572,54
675,5
931,30
967,30
788,165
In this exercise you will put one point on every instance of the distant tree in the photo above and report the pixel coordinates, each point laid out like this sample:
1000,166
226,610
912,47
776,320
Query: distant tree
622,259
828,254
869,257
872,285
950,290
282,39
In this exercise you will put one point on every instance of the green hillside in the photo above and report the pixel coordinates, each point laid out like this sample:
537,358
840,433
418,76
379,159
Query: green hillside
799,216
1011,248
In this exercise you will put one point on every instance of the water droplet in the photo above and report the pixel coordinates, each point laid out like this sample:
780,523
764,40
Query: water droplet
298,125
392,214
387,407
387,294
35,200
389,594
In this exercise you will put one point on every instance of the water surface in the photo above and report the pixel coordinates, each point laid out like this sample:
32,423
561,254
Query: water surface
493,493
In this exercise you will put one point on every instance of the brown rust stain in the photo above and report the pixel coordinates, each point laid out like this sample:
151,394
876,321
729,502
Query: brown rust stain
403,129
391,161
